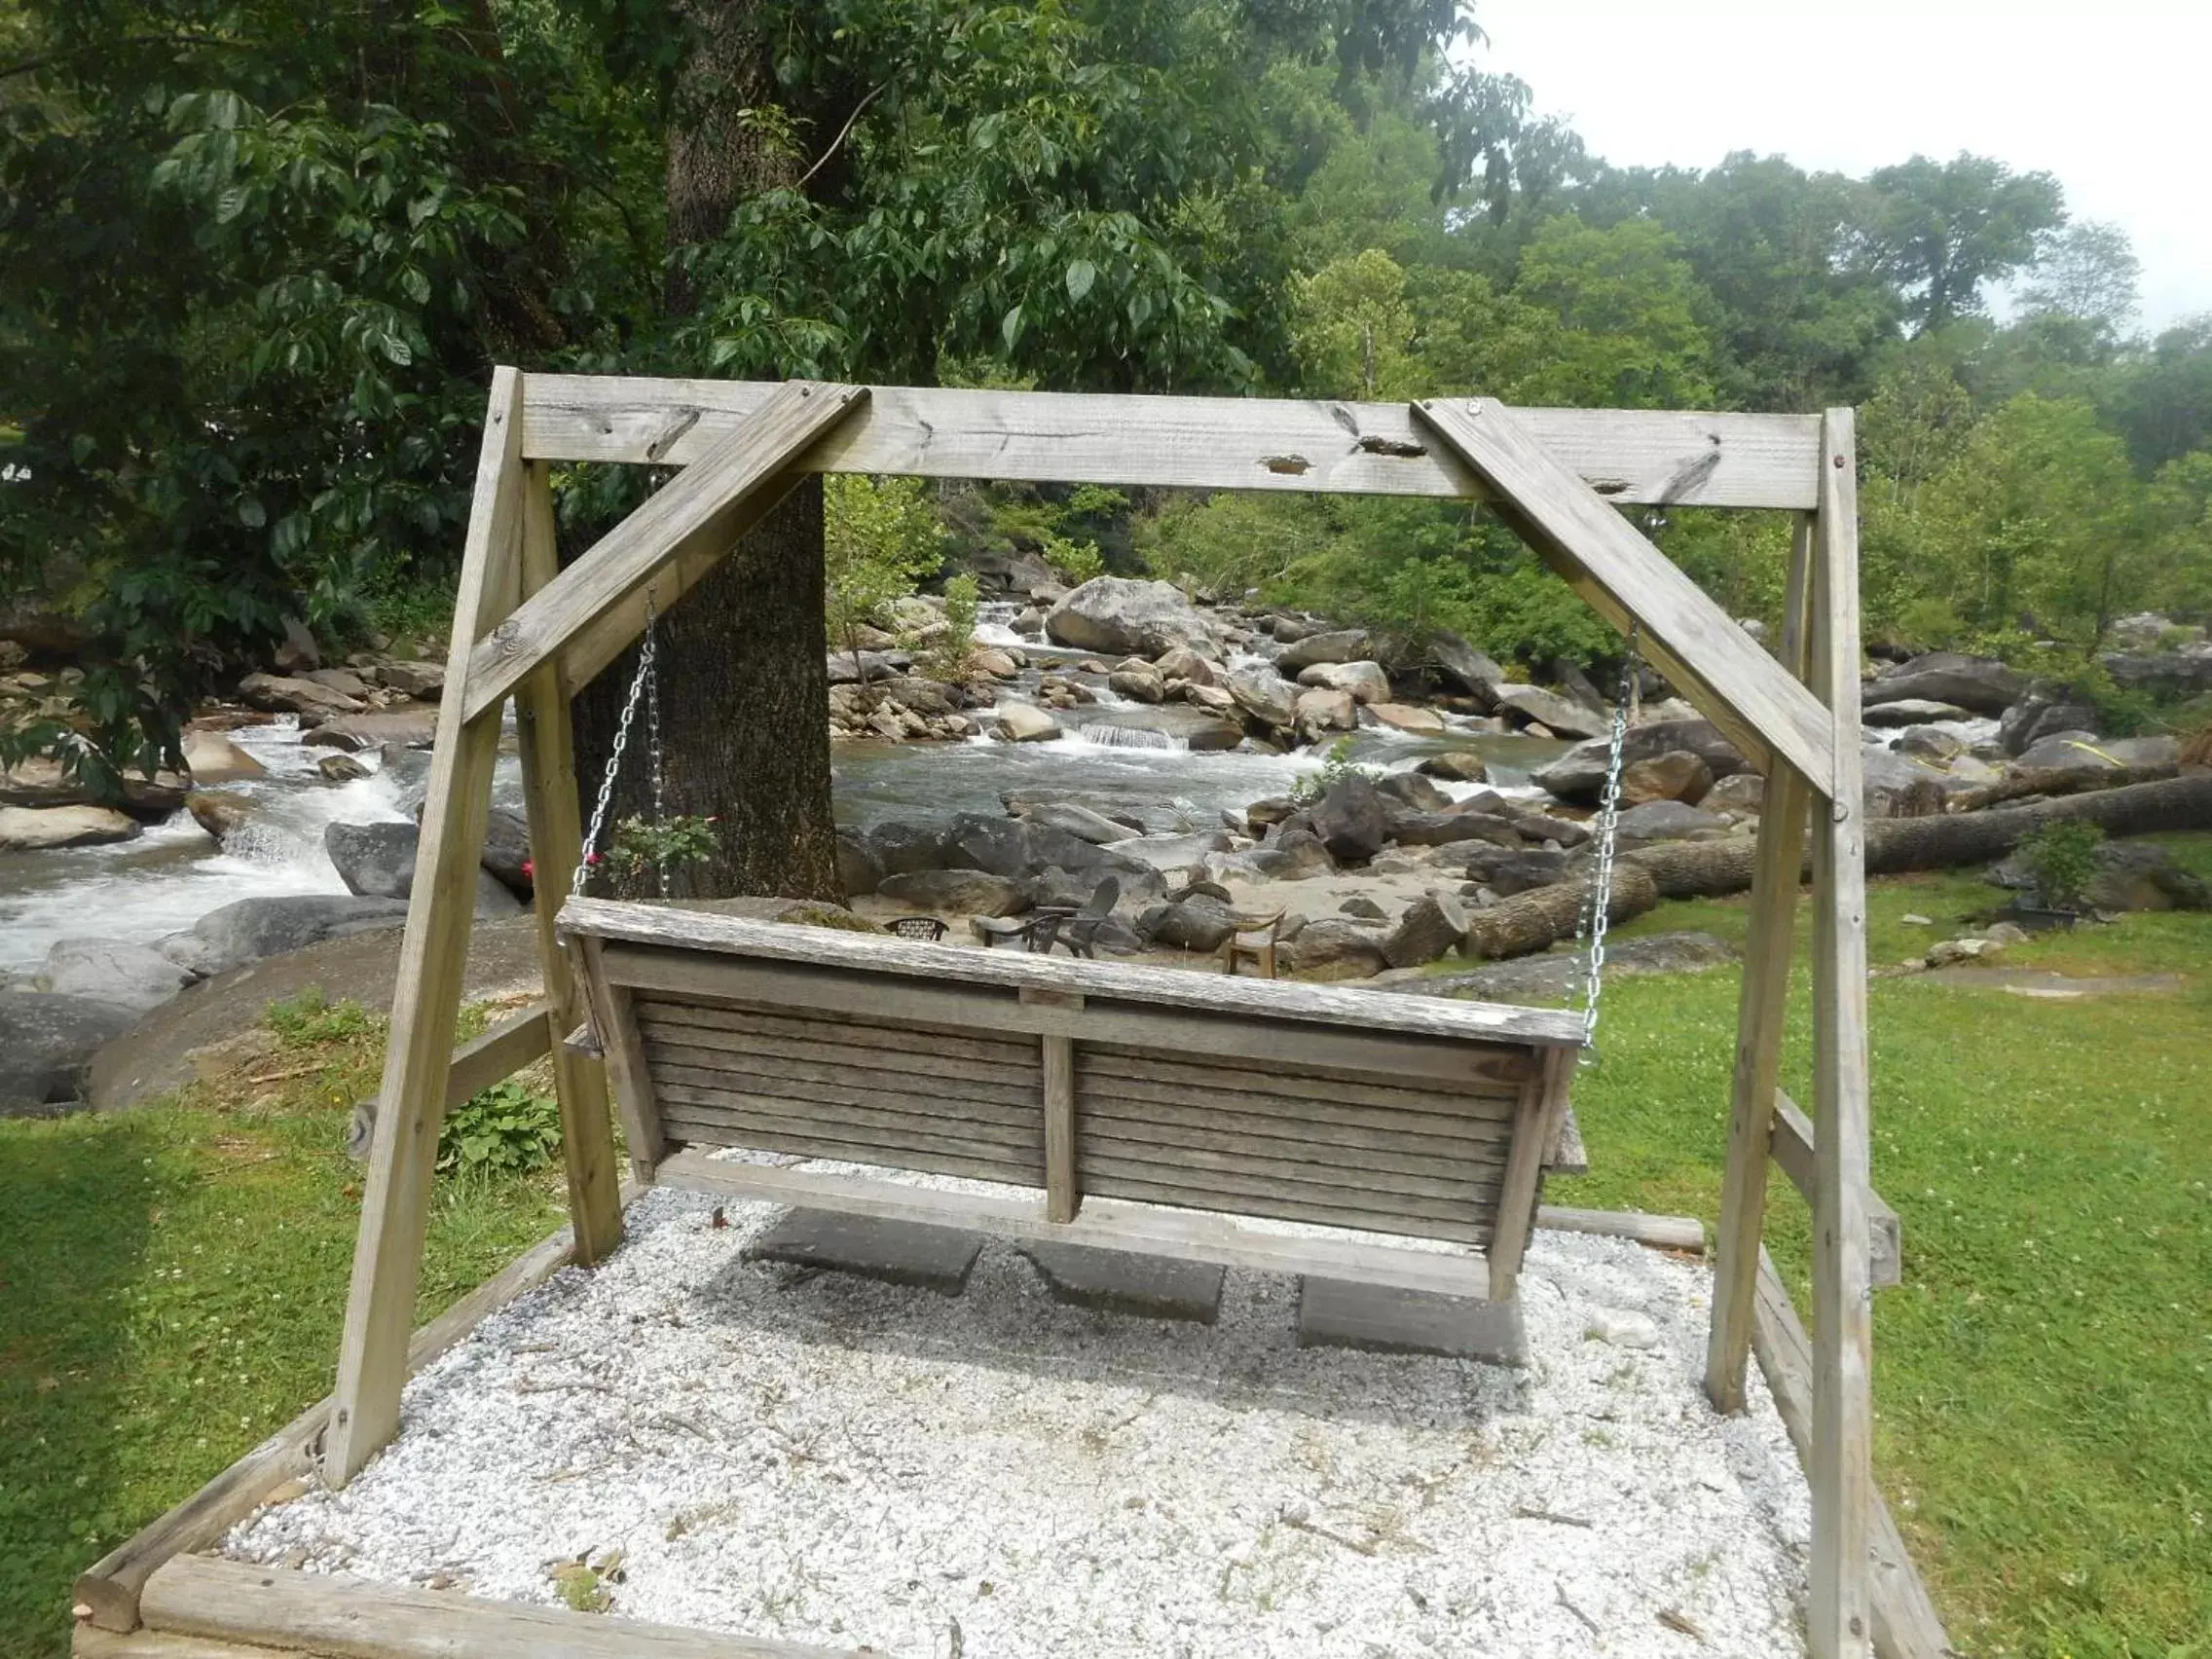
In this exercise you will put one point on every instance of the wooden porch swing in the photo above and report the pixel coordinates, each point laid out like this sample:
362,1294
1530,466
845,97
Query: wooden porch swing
1149,1107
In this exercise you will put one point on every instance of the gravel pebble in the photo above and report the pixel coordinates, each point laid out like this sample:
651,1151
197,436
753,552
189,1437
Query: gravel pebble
816,1457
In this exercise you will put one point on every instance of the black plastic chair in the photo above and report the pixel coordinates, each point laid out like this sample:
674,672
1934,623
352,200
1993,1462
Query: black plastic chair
926,928
1079,932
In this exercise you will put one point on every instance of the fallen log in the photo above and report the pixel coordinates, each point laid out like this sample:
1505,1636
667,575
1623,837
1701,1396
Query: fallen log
2055,780
1688,869
1540,917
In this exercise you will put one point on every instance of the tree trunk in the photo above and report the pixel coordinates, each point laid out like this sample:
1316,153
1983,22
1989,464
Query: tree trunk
745,692
1688,869
1542,916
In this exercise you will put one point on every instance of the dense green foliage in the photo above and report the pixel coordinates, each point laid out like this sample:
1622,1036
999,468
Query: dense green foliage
256,260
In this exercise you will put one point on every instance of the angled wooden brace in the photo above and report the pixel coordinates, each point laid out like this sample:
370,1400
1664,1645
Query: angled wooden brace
592,610
1721,668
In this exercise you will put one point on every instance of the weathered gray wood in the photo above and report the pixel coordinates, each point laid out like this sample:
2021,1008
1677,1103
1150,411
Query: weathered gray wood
859,1085
1660,1231
1543,1102
1474,1092
90,1641
548,754
912,1113
843,1027
1715,664
342,1617
1794,1151
1196,1122
1192,1157
1063,1181
873,1047
111,1587
579,618
1762,1009
1151,1183
941,1155
628,1076
704,931
1102,1224
1208,443
1907,1625
388,1253
1841,1467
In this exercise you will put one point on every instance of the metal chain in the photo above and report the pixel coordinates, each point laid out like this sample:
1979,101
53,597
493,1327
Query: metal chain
652,747
639,683
1598,896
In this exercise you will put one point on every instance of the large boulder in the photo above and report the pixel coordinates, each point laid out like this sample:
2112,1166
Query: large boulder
1561,715
1460,765
1264,694
1745,793
1365,682
859,871
1680,774
1337,947
40,781
506,851
1024,722
222,812
1182,663
1898,786
1139,682
1080,820
1912,711
374,860
1174,852
2132,875
114,971
1579,775
250,929
47,1044
1015,848
900,849
1667,820
2040,714
1475,671
1137,816
1407,717
2089,757
407,725
1523,871
1432,925
1983,684
43,828
1351,820
423,679
957,891
1320,710
1413,789
1448,829
1116,617
283,694
1292,855
2165,674
1342,644
213,758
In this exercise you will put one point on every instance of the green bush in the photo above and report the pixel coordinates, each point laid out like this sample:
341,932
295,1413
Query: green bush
1336,766
949,659
2062,859
506,1130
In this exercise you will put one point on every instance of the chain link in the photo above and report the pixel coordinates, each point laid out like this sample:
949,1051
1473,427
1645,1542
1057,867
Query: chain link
653,746
640,683
1599,896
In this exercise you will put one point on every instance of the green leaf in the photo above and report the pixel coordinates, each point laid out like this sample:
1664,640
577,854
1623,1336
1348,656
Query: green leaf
229,205
397,349
1009,326
251,513
1080,274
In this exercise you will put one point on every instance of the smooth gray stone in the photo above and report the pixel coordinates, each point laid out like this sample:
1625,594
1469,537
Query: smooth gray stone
1338,1313
1119,1281
897,1252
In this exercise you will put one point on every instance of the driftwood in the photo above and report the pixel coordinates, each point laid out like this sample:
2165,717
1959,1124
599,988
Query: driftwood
1687,869
1534,920
2055,780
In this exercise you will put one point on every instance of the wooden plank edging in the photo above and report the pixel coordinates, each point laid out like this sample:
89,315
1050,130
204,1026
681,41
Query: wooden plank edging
342,1617
108,1592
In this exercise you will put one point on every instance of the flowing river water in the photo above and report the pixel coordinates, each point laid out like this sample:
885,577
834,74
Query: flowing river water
176,873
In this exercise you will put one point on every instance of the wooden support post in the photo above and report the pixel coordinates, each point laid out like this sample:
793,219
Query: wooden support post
1840,1621
1543,1101
388,1256
556,843
1762,1008
1063,1189
623,1057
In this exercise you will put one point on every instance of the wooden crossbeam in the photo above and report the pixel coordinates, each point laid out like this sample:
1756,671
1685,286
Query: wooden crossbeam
1794,1151
584,617
1720,667
1628,456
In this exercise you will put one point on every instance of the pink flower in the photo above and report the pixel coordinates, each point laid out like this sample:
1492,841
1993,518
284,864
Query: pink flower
529,868
595,858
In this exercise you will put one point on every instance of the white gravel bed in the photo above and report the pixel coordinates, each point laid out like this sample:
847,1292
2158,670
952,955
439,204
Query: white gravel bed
823,1458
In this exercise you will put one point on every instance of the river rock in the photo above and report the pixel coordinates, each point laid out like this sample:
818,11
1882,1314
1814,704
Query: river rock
284,694
222,812
1476,673
2172,674
1932,744
1123,617
1182,663
1342,644
45,828
957,891
114,971
42,782
1981,684
1080,820
250,929
409,725
2044,711
1264,694
1579,774
1669,821
1460,765
1337,947
343,681
1214,699
1174,852
1744,792
1139,681
1412,790
1432,925
374,860
1406,717
1183,724
1913,710
47,1044
1015,848
847,669
297,652
506,852
859,871
2132,875
1364,681
904,848
1023,722
1321,710
340,768
1292,855
1350,820
1898,786
423,679
2087,756
996,661
1561,714
213,758
1680,774
1448,829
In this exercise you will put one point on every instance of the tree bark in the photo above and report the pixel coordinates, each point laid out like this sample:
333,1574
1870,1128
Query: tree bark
1540,917
1690,869
744,689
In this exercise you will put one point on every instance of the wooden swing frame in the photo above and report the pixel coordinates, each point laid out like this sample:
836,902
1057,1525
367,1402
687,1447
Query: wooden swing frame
526,630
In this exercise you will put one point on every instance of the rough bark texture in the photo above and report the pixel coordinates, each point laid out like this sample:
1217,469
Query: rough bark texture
1543,916
2052,782
744,696
1688,869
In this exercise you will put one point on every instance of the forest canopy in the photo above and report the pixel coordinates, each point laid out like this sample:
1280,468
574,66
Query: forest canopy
257,259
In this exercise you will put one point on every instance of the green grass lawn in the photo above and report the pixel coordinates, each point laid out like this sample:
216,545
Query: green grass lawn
172,1280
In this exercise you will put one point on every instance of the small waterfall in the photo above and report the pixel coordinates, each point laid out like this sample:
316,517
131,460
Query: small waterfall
1108,736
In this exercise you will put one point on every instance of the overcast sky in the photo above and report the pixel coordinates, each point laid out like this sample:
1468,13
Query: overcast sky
2114,98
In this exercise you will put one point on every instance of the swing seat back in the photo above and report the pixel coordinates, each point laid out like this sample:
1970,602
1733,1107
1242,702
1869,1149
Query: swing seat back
1111,1087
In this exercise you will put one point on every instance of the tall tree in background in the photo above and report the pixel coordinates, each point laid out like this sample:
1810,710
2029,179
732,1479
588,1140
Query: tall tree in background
1944,231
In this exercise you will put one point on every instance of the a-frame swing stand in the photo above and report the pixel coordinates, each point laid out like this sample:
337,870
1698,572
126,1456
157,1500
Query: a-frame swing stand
526,630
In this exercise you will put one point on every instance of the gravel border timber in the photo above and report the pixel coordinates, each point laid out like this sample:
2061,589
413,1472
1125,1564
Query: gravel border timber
816,1457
